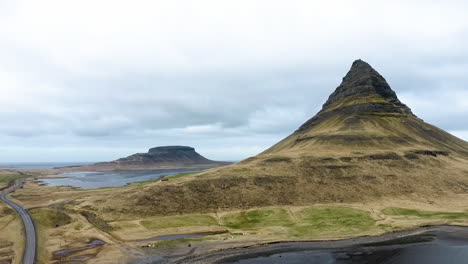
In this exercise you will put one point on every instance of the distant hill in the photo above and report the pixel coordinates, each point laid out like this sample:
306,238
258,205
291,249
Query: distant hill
364,144
166,157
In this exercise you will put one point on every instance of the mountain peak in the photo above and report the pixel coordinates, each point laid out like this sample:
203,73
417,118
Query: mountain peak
362,81
362,91
360,63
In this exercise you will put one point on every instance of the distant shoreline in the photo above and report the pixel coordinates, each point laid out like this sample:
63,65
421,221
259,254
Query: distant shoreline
40,165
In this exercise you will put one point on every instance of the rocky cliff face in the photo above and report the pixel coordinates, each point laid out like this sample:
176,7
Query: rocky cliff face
362,91
362,80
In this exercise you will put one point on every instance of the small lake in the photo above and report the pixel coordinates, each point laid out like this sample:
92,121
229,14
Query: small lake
99,179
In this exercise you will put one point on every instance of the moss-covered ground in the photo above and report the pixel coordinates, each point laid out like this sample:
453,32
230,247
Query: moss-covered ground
179,221
307,222
50,218
412,213
7,178
258,218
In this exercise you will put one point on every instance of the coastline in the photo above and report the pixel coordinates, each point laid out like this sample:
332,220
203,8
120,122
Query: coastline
275,247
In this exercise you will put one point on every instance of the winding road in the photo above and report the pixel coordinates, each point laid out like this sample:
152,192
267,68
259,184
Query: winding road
29,255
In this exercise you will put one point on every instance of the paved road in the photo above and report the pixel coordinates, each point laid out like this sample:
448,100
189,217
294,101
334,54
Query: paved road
30,232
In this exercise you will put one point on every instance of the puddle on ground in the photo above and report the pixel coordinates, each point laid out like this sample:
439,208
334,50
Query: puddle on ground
169,237
66,254
179,236
82,257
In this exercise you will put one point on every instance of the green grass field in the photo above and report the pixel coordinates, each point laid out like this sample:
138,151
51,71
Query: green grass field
395,211
307,222
179,221
258,218
268,222
319,220
6,178
50,218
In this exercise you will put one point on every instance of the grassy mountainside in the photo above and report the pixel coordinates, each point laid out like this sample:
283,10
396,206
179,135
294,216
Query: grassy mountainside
364,144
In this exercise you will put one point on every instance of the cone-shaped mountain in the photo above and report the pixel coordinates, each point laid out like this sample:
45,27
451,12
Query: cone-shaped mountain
363,90
364,112
364,144
362,80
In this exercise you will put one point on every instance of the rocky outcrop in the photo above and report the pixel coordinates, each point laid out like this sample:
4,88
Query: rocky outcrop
363,80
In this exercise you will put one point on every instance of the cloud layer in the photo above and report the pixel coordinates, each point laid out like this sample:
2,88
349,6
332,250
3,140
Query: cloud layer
96,80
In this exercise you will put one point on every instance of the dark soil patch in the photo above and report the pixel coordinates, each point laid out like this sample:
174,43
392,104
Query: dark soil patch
383,156
277,159
96,221
433,153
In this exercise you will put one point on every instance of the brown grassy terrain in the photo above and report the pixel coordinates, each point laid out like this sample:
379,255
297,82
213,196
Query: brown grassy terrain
7,176
364,165
299,180
11,238
58,229
11,228
69,219
363,145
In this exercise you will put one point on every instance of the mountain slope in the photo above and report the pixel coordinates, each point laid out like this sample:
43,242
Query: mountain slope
363,145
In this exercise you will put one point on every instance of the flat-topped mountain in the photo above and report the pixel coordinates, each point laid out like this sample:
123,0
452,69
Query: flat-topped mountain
179,155
165,157
363,145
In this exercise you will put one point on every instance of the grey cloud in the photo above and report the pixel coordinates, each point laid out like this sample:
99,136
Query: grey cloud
230,89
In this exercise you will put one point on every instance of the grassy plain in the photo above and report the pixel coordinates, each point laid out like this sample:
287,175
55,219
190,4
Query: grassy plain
421,214
308,222
11,228
339,220
7,177
11,236
50,218
63,217
259,218
178,221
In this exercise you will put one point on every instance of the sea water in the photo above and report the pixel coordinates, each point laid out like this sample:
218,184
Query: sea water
96,179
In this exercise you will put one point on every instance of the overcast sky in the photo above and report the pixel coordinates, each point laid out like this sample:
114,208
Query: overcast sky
97,80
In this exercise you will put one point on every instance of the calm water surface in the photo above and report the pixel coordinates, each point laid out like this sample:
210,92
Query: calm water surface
94,179
446,248
40,165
